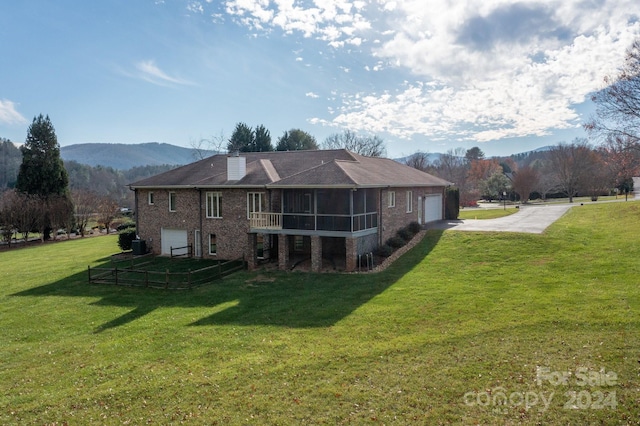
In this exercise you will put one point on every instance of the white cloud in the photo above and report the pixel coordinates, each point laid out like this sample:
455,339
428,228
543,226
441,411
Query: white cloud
9,114
195,7
482,69
311,95
149,71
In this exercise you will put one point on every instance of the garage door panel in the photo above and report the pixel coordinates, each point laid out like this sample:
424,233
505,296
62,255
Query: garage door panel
432,208
173,238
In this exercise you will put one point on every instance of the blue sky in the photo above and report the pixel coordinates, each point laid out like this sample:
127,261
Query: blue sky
423,75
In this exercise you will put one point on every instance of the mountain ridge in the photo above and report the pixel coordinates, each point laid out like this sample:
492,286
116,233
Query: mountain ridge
122,156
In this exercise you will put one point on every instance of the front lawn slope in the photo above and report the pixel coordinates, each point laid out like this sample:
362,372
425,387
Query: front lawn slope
437,338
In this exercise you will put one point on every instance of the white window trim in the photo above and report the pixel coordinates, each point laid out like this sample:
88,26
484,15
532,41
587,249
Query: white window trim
409,201
172,194
392,199
251,203
210,252
215,196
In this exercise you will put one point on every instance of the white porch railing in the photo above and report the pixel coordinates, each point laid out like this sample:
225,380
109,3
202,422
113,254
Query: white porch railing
265,221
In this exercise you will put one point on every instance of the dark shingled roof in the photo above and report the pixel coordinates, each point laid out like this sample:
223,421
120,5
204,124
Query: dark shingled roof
316,168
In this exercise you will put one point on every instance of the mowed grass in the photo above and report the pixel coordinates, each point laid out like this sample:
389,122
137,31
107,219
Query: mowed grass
437,338
480,213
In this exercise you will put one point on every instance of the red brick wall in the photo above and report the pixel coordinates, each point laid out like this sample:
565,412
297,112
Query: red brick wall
395,218
230,230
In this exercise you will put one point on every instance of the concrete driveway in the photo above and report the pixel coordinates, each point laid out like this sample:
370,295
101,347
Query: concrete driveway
529,219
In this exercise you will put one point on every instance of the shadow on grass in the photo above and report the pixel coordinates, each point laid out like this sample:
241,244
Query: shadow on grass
286,299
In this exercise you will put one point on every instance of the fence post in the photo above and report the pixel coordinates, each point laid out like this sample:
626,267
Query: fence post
189,279
116,271
166,279
146,278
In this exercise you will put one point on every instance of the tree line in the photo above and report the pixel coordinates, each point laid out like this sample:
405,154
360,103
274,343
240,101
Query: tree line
566,169
244,138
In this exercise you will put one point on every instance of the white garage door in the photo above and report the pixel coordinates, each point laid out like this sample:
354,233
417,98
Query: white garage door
432,208
173,238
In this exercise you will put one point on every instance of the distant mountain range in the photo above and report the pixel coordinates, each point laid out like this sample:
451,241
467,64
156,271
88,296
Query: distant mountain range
122,156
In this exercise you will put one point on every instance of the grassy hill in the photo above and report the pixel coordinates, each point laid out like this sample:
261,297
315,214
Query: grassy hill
127,156
466,328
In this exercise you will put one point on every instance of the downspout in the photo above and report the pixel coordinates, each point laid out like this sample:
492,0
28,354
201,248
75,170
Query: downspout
136,211
200,214
380,229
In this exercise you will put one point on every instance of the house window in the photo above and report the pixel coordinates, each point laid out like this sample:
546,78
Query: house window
213,244
214,204
392,198
298,243
172,201
409,201
255,203
151,198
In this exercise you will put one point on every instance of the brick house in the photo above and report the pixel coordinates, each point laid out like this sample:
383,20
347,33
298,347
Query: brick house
323,205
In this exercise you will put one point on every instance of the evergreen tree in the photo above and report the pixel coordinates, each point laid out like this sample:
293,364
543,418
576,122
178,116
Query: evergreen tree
296,140
42,172
242,139
262,139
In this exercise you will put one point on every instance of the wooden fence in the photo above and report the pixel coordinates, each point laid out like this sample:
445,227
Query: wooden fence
129,273
187,253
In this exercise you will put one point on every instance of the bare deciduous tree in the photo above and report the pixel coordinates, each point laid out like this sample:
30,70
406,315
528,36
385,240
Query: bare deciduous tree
85,204
570,166
599,180
371,146
418,160
618,104
621,156
60,211
107,210
525,179
204,147
454,167
547,182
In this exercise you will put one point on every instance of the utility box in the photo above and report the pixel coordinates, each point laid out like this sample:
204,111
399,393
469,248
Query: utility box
139,247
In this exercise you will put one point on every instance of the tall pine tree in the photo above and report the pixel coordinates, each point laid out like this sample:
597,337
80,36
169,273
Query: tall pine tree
42,175
42,172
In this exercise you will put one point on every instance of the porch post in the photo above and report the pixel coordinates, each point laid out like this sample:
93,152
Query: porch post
252,261
351,254
283,252
316,253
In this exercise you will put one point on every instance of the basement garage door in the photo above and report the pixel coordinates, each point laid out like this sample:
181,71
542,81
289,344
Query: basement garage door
432,208
173,238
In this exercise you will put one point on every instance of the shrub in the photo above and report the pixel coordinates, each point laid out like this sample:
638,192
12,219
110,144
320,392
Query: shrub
414,227
396,242
405,234
125,238
125,225
384,251
452,203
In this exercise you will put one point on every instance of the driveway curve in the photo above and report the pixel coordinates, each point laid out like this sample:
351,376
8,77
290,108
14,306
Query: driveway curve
529,219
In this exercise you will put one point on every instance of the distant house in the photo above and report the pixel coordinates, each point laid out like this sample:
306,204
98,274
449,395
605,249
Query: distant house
323,205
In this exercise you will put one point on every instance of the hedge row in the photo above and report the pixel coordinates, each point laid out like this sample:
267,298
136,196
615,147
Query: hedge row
402,237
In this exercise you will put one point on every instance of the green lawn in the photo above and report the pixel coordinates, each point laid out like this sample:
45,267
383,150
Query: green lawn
480,213
437,338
